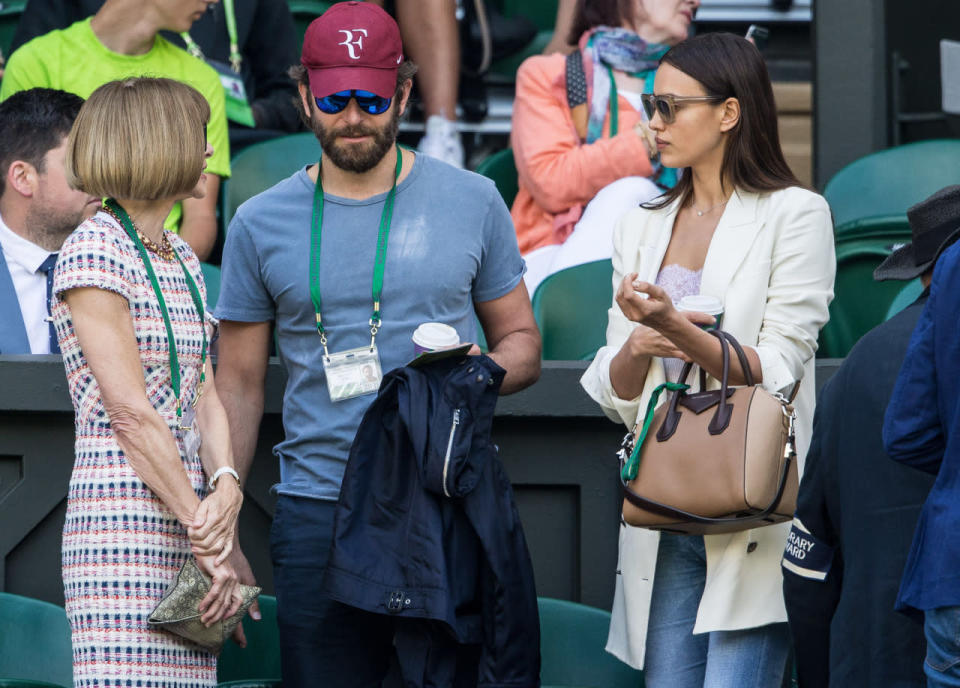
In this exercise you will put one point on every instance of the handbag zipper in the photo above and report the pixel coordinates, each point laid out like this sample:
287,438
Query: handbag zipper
446,459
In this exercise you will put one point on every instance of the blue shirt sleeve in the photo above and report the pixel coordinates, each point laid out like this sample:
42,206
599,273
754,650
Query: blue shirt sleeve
501,268
243,295
912,427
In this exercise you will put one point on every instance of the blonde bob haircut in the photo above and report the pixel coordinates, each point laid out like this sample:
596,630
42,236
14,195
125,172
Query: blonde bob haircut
139,139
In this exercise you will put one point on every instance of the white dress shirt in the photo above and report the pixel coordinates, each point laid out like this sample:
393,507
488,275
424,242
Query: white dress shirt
23,260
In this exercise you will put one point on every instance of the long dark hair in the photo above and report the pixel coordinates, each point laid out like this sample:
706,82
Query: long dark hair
729,66
591,13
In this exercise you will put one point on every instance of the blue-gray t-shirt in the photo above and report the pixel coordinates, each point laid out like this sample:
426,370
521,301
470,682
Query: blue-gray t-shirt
451,243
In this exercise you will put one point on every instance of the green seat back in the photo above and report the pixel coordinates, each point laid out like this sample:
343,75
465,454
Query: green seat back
10,11
894,227
304,12
571,309
890,181
572,641
26,683
211,277
542,12
500,168
908,294
258,663
859,303
260,166
34,641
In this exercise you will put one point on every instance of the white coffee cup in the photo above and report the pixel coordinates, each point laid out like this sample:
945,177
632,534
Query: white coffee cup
434,336
703,303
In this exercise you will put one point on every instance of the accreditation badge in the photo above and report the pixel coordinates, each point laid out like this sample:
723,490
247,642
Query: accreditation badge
235,94
353,373
191,432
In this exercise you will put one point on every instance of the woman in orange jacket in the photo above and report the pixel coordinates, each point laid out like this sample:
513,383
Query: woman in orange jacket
583,151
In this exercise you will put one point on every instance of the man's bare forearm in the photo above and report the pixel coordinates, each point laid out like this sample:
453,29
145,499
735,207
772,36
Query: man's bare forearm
519,354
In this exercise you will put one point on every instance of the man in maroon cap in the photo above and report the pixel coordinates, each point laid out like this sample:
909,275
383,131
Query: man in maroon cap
347,258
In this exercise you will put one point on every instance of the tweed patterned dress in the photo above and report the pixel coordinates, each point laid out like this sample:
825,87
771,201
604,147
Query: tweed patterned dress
122,546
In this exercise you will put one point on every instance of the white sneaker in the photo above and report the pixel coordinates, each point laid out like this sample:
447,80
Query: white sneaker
442,141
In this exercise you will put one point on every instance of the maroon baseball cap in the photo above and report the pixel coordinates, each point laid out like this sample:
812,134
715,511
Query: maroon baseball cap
353,45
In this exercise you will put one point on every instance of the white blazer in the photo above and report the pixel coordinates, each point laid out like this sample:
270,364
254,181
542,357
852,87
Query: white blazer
771,262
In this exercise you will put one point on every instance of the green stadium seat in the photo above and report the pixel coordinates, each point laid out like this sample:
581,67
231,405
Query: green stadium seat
500,168
894,227
39,648
859,302
260,166
10,11
258,664
572,641
908,294
211,277
25,683
890,181
304,12
571,309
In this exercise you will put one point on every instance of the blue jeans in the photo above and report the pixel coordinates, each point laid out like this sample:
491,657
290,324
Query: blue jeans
324,643
676,658
941,626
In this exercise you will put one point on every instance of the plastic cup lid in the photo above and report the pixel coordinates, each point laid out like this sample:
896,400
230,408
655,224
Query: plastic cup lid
434,335
701,303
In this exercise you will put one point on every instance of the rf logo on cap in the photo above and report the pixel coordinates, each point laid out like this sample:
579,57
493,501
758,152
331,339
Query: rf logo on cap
350,42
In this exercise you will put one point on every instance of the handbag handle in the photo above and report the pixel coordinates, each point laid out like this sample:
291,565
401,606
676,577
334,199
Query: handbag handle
721,417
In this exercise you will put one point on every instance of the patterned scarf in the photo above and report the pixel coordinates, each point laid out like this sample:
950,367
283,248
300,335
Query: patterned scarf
625,51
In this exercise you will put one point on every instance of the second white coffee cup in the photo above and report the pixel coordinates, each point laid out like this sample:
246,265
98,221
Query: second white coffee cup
703,303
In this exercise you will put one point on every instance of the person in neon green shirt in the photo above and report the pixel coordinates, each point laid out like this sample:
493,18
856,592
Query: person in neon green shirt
119,41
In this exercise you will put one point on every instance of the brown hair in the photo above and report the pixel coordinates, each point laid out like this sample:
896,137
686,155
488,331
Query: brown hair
301,77
728,66
139,138
591,13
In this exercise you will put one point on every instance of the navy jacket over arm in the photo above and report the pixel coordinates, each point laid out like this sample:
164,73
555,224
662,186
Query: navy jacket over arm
922,429
426,526
860,508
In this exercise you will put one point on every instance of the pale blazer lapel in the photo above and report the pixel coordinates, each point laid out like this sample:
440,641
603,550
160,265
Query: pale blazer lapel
13,334
653,259
732,240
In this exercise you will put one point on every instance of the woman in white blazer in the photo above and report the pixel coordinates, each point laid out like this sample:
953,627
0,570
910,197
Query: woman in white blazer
691,610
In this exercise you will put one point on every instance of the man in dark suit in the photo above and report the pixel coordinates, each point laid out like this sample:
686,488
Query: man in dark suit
38,210
857,509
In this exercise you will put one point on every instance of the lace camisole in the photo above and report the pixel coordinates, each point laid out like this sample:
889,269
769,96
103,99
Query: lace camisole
678,282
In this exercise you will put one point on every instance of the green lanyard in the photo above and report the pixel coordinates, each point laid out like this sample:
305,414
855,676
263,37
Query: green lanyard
117,210
381,260
236,60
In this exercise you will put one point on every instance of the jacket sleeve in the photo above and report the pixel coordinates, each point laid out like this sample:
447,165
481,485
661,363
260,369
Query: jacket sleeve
271,50
42,16
551,163
596,379
802,269
812,590
912,427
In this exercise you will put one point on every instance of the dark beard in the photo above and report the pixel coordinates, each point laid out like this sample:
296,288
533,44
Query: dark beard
358,158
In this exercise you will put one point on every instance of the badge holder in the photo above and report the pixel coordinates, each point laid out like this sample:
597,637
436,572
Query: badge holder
235,94
353,373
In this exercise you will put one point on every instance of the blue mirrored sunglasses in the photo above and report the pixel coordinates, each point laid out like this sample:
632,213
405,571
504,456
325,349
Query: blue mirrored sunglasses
369,102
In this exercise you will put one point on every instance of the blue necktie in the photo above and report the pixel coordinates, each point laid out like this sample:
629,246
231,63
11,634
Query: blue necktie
47,268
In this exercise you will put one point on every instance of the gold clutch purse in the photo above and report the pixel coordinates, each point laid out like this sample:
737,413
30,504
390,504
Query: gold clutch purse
178,613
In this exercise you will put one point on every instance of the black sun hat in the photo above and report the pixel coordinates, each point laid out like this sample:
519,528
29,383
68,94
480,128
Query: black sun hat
935,224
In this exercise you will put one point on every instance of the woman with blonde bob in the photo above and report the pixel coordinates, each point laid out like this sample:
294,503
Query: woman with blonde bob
708,611
132,326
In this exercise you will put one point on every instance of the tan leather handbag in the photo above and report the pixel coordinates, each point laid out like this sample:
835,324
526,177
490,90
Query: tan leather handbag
715,461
